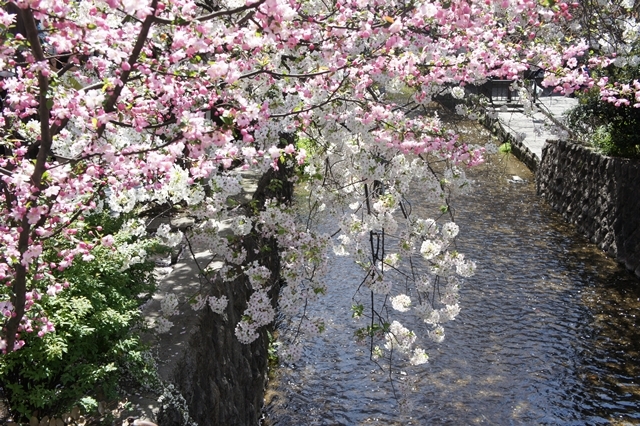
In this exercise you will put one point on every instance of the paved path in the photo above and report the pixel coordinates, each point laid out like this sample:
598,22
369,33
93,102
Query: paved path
528,133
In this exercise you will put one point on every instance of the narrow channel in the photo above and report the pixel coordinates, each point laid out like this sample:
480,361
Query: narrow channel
548,334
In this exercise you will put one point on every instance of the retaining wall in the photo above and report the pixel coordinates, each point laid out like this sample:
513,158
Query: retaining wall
219,380
600,195
210,377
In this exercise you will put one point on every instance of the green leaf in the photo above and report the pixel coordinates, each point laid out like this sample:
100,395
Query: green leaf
88,404
505,148
358,310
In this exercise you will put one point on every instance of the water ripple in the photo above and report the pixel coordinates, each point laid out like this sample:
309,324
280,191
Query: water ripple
549,331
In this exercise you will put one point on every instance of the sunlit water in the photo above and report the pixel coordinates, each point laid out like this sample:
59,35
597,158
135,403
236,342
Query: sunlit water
548,332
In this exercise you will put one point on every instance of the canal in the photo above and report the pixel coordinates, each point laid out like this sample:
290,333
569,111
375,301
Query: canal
548,332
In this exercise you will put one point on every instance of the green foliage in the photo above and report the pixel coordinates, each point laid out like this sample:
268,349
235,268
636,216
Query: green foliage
306,143
275,185
602,140
505,148
613,130
272,353
372,331
94,342
358,310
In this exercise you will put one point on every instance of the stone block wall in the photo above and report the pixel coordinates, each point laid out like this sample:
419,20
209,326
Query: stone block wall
600,195
221,380
214,380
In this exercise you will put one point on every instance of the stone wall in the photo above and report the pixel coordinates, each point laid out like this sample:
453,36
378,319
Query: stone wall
221,380
598,194
208,376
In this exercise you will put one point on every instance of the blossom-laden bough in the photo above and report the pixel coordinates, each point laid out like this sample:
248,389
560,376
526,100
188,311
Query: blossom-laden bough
116,104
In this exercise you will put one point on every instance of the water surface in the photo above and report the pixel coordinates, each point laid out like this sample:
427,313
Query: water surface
548,332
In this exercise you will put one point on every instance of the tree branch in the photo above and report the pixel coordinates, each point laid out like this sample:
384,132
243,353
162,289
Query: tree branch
110,106
210,16
20,281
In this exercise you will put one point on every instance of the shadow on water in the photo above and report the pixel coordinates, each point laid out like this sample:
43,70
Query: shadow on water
548,332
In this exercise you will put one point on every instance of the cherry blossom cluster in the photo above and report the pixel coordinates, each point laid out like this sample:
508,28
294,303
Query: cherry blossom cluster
168,238
217,304
113,105
620,94
168,308
258,275
259,313
372,195
303,264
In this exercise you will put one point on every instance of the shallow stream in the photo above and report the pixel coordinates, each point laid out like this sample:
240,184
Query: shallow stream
548,334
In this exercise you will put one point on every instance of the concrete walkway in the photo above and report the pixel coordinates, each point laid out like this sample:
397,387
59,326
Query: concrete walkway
528,133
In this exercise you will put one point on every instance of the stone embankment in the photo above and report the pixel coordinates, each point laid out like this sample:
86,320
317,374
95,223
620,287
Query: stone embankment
208,377
600,195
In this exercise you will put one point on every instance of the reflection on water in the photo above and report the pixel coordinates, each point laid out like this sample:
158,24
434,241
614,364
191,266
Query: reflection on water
548,332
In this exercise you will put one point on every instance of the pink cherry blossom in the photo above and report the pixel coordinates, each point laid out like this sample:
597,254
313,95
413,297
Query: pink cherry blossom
158,99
